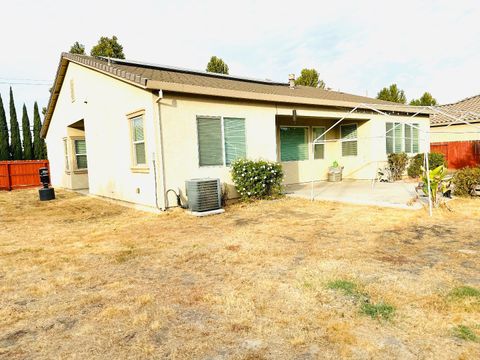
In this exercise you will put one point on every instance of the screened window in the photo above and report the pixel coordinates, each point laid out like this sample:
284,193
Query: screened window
65,151
349,139
293,143
220,142
81,153
401,138
319,149
138,141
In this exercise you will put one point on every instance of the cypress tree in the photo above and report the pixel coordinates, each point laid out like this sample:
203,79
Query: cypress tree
39,146
4,141
27,136
16,142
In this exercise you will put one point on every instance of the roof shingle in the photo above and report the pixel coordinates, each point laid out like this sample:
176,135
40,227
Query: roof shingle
468,109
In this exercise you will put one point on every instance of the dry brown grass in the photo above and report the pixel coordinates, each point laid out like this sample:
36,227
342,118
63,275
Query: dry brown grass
82,278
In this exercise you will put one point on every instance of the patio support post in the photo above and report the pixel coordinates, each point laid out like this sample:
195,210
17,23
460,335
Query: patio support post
427,170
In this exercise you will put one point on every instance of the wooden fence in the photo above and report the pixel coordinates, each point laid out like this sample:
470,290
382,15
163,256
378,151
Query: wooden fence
20,174
459,154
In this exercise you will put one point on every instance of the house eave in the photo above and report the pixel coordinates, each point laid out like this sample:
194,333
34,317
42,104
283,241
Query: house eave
274,98
105,69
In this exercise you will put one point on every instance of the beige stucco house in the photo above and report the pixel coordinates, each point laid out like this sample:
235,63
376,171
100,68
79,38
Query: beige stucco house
131,131
451,121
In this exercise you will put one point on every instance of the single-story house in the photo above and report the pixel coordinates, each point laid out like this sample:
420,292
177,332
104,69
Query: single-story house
455,132
131,131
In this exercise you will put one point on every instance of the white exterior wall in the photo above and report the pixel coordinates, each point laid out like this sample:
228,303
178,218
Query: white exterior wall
371,147
103,103
179,124
180,142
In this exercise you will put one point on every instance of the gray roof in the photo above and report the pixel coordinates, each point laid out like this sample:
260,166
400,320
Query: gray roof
468,109
172,79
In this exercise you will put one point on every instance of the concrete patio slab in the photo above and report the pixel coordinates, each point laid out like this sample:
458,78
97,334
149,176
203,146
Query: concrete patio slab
396,195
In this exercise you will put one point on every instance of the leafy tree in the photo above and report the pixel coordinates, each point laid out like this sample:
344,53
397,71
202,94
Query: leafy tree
77,48
310,77
4,141
426,100
392,93
27,136
109,47
217,65
16,143
39,146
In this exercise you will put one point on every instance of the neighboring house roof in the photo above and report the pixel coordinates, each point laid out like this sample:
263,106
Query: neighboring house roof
172,79
467,109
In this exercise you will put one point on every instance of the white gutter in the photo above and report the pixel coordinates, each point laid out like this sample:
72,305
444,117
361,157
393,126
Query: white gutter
160,153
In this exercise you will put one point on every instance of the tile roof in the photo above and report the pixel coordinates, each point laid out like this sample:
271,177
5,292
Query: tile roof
468,109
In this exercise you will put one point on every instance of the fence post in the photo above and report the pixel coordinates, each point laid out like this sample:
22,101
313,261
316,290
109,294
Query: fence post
9,178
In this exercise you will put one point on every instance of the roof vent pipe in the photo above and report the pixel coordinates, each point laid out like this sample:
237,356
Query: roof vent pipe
291,81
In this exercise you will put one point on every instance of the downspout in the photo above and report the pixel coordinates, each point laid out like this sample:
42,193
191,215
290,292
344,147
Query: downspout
161,156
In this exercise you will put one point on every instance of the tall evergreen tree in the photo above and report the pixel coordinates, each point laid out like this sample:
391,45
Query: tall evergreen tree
4,140
39,146
27,136
16,142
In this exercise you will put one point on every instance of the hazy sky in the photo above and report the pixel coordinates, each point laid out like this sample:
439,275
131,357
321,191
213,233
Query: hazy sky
357,46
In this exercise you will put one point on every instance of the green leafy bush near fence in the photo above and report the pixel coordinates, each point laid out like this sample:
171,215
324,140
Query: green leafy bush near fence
465,180
257,179
434,160
397,164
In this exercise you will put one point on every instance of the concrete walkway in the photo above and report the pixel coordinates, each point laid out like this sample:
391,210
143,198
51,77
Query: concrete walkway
397,195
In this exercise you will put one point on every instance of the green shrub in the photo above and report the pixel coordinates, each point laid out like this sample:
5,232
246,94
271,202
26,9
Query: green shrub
397,164
434,160
465,180
257,179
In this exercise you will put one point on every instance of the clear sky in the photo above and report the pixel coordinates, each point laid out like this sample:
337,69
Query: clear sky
357,46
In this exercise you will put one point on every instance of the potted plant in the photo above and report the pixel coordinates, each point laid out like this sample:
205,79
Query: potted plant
335,172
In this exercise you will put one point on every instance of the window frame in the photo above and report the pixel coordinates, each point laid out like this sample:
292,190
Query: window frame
324,127
349,140
66,155
414,127
309,141
222,134
136,167
75,167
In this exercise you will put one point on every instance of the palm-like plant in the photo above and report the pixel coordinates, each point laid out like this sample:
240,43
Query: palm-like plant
437,184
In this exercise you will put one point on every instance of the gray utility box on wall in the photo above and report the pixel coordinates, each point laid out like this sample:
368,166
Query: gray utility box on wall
203,194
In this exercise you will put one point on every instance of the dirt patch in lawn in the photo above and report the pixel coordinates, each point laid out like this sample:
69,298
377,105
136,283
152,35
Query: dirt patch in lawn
81,277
